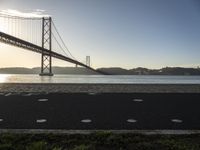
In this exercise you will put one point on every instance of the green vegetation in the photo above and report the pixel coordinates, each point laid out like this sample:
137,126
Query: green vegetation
98,141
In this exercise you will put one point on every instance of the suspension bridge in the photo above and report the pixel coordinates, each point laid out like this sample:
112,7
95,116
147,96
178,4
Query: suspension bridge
40,35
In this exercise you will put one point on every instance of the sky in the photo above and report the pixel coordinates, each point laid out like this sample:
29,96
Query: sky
116,33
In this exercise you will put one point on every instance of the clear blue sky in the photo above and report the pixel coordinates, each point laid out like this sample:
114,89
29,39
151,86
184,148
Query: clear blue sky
123,33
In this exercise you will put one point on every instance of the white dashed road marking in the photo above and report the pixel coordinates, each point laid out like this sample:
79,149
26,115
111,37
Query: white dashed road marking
138,100
92,93
42,100
86,121
176,120
28,94
8,94
41,120
1,120
131,120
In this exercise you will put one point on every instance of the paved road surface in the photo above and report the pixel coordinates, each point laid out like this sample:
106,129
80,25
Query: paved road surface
100,111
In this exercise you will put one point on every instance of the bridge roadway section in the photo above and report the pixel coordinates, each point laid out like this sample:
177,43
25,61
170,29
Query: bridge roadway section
101,110
14,41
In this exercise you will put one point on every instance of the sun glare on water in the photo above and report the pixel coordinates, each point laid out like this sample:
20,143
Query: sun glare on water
3,78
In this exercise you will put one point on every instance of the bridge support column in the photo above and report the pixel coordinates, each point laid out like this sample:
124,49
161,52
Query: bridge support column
46,61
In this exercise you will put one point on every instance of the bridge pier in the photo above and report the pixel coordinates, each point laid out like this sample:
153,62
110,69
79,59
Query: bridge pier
46,74
46,61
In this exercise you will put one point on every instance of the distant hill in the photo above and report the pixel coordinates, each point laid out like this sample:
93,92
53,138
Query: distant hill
112,71
146,71
17,70
56,70
115,71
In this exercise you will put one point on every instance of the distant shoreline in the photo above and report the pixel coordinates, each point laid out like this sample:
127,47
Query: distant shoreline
111,71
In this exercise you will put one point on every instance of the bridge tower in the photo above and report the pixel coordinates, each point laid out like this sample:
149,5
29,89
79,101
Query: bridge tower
88,61
46,61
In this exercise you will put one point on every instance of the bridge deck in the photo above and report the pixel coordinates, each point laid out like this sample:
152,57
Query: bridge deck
11,40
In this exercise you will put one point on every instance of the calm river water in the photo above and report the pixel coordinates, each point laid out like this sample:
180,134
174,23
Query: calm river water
116,79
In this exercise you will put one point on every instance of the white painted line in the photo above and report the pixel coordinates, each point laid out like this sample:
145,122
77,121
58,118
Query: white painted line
138,100
131,120
176,120
42,100
28,94
86,121
41,120
8,94
92,93
1,120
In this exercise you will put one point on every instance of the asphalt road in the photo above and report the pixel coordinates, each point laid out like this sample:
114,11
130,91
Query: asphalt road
100,111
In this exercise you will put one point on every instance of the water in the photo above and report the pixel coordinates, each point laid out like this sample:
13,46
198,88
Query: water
128,79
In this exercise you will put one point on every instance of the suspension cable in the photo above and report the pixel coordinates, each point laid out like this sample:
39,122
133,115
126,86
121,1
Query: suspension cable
19,17
9,16
59,44
62,41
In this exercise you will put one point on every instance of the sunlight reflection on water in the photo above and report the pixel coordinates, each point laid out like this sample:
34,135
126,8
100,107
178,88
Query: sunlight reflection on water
111,79
4,78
